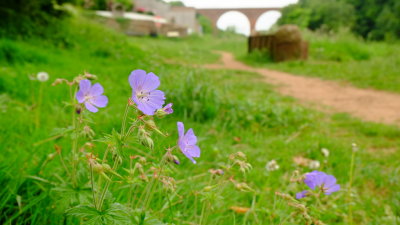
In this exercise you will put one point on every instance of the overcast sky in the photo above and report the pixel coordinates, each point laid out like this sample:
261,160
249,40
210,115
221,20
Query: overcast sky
236,3
238,20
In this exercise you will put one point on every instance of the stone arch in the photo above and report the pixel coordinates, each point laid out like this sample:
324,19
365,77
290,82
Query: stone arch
252,14
270,18
236,13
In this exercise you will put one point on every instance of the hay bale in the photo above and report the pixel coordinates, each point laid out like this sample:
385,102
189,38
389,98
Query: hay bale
285,44
288,34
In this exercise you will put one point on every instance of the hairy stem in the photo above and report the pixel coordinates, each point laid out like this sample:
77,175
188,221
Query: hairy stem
92,183
103,194
74,140
349,197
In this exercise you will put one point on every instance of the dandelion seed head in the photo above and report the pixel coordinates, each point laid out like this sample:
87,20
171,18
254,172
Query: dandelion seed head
42,76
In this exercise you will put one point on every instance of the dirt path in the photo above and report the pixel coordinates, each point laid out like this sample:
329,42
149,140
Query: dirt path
366,104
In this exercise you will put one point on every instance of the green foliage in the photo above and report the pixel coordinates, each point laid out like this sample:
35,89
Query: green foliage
293,14
176,3
372,19
29,17
376,19
315,14
205,23
116,214
230,111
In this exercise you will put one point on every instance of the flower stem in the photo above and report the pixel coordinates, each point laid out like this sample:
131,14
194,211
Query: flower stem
103,194
92,183
349,197
124,119
74,140
37,114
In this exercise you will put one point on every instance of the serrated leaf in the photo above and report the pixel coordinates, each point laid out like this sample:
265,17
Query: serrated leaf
116,214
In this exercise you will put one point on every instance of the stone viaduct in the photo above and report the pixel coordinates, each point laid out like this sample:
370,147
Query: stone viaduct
252,14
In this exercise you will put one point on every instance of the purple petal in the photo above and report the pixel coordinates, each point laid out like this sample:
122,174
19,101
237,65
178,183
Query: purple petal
314,179
80,96
96,90
181,129
168,108
189,156
155,101
310,181
157,98
90,107
194,150
190,138
151,82
329,181
136,79
332,189
191,159
84,86
302,194
146,109
100,101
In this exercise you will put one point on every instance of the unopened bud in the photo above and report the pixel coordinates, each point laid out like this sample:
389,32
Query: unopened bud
218,172
57,148
243,187
51,156
97,168
147,141
207,188
90,76
106,167
58,81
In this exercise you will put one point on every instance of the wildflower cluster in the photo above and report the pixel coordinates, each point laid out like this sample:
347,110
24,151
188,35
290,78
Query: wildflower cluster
145,106
130,159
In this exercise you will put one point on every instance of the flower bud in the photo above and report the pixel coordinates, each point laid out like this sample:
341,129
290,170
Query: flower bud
218,172
207,188
97,168
90,76
148,142
165,111
243,187
51,156
106,167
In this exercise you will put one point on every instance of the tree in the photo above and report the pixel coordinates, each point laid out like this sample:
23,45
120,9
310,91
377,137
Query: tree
317,14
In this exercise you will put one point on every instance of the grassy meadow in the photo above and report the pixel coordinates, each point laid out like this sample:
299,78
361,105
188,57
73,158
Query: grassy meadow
342,57
230,112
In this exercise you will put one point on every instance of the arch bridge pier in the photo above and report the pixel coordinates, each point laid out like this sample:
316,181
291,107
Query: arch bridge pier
252,14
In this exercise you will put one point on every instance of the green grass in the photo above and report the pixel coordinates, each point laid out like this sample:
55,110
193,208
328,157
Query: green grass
230,111
343,58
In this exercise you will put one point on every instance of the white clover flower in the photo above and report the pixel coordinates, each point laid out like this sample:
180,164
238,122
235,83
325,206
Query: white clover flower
314,164
272,165
42,76
325,152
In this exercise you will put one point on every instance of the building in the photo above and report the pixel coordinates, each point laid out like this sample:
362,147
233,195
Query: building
177,15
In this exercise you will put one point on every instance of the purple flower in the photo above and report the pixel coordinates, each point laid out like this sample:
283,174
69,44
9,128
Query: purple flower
144,92
187,143
302,194
324,182
168,108
92,96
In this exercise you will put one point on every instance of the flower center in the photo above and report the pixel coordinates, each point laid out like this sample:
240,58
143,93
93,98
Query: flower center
143,96
88,98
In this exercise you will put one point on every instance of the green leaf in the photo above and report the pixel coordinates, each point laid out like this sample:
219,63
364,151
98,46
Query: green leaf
116,214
